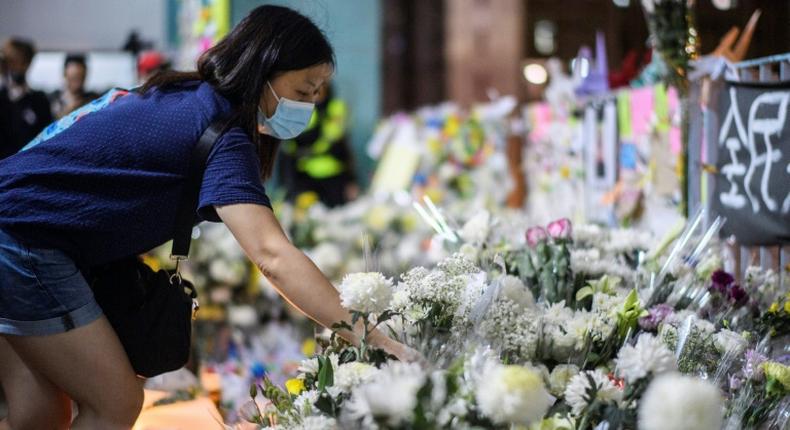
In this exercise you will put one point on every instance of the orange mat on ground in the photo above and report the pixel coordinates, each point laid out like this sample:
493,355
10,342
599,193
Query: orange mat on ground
198,414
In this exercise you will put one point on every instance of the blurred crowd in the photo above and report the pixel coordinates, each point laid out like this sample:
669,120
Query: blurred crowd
25,111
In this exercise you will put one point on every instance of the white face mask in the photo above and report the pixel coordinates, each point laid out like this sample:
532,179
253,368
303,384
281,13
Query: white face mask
290,118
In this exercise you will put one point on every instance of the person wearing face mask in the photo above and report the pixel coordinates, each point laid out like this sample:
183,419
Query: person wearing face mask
105,183
73,94
24,112
319,160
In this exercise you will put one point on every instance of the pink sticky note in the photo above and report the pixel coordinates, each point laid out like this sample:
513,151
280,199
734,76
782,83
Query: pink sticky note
674,140
672,100
641,111
540,114
205,43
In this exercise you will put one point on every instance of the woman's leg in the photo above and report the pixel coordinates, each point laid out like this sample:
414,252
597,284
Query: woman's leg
33,401
90,365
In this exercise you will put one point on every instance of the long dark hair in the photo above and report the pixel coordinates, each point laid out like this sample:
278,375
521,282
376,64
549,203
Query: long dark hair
267,42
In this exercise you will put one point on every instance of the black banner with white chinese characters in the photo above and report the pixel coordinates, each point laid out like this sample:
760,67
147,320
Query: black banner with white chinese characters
752,186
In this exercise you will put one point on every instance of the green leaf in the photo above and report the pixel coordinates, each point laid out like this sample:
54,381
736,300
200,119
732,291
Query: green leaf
584,293
342,325
325,404
326,375
253,391
385,316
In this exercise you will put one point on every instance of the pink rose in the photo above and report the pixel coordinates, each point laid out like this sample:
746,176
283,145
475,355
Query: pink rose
560,229
536,235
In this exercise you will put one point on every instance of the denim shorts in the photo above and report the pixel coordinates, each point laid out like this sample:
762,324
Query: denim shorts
41,291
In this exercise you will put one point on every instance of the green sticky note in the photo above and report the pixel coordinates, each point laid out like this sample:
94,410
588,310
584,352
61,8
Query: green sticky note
661,105
624,114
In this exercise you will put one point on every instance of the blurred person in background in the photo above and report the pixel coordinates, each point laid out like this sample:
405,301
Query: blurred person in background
24,112
73,93
319,160
150,63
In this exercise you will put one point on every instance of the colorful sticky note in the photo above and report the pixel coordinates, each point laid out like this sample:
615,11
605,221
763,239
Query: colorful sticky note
628,156
540,120
675,144
396,168
641,111
661,107
624,114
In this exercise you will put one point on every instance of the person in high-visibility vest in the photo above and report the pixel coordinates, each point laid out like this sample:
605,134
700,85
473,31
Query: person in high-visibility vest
319,160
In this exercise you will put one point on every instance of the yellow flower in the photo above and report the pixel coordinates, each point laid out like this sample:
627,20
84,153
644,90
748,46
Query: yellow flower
774,308
778,372
308,347
295,386
379,217
565,172
521,378
787,307
306,200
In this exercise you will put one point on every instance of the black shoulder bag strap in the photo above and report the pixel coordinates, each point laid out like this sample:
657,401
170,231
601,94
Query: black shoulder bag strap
187,206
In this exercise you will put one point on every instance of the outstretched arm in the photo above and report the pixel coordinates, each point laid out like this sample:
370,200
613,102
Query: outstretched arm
294,276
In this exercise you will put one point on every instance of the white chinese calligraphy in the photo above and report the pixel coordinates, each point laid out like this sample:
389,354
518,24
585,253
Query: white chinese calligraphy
766,121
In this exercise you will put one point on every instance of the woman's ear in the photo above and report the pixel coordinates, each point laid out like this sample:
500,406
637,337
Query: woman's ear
262,129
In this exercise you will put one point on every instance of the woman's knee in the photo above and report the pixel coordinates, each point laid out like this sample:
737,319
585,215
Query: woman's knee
119,413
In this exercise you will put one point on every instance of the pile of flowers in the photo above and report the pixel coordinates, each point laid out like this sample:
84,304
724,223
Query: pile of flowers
513,335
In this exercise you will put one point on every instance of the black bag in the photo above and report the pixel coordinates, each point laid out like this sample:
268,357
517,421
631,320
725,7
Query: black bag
152,312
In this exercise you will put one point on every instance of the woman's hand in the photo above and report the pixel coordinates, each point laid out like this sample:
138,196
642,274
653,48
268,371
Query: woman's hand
399,350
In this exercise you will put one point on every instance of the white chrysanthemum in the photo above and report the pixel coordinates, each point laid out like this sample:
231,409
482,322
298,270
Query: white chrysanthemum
649,355
678,402
349,375
391,394
515,290
607,303
305,402
627,240
366,292
560,377
576,393
318,422
727,341
588,233
476,229
310,365
512,394
400,298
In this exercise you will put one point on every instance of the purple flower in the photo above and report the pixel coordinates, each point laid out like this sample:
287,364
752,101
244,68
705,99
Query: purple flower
752,369
737,294
536,235
656,315
735,382
721,277
560,229
783,359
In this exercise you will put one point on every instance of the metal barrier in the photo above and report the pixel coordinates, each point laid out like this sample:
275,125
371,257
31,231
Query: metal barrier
703,138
